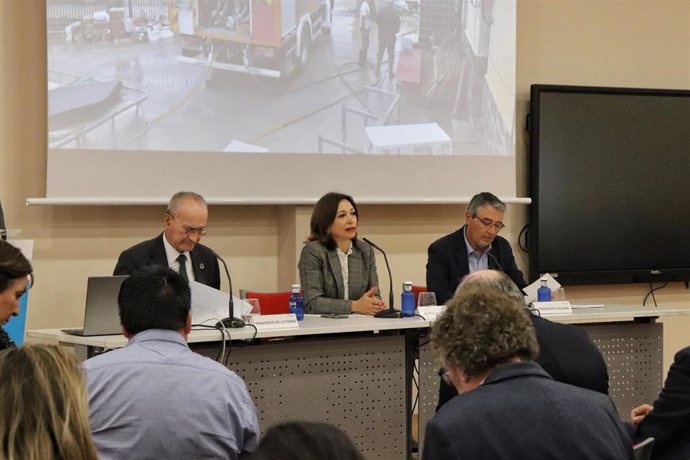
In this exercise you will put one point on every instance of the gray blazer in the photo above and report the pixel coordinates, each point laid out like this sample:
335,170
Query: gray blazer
322,279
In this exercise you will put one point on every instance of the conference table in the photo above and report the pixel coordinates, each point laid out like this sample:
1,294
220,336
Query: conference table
357,372
354,372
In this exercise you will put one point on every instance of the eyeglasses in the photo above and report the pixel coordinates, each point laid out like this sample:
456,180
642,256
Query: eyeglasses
486,223
445,376
201,231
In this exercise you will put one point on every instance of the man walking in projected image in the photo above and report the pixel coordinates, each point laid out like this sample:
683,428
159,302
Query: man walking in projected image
366,19
178,247
388,22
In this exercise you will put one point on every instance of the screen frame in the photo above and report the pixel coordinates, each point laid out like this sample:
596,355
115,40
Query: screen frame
537,234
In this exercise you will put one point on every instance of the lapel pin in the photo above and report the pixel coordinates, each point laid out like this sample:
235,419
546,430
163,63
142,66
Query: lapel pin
201,266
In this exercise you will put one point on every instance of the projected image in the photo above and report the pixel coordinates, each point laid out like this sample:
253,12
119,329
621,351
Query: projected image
427,77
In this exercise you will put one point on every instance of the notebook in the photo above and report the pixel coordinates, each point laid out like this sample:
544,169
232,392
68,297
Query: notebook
101,315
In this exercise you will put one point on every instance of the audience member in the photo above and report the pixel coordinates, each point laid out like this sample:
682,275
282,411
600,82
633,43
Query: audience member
43,399
668,421
178,247
305,441
156,398
566,352
475,246
15,274
338,271
508,406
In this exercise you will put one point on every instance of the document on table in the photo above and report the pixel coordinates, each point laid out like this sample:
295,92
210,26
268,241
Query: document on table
210,305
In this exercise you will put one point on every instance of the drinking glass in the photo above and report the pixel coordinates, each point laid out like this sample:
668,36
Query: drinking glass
558,294
256,307
426,299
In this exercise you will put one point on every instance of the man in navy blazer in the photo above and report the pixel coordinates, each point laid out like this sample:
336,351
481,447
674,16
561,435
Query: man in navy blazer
475,246
186,219
508,407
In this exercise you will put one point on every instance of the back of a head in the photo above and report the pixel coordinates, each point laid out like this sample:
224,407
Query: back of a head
492,280
154,297
482,329
43,400
13,264
305,441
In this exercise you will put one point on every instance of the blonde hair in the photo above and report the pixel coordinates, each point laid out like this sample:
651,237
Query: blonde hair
44,406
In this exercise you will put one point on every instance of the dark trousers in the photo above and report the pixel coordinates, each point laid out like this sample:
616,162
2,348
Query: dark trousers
365,45
386,44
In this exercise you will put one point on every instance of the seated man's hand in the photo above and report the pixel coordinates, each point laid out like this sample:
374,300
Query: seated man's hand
639,413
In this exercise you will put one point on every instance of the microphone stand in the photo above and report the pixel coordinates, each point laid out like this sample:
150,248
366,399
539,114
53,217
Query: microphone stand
488,252
3,229
390,312
230,321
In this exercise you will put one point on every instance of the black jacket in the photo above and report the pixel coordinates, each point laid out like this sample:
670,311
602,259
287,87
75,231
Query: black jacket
152,252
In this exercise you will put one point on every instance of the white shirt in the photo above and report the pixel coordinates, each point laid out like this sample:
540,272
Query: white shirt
345,269
172,254
365,15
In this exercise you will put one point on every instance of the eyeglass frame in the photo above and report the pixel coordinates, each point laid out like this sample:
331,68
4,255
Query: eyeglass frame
487,223
201,231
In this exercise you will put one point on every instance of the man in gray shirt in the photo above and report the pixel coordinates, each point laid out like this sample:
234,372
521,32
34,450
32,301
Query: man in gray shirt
156,398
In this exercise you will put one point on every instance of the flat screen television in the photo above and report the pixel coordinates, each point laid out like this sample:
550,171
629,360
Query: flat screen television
610,184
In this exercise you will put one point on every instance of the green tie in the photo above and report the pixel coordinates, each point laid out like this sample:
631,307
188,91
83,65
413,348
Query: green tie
183,267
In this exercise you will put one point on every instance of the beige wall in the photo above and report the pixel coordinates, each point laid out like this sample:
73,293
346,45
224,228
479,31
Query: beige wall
644,43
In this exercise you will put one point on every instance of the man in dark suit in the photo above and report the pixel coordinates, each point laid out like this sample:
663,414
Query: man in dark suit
508,406
475,246
178,247
566,352
668,421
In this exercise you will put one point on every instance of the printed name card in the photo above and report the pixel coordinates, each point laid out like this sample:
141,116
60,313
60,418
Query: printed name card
270,322
560,307
430,312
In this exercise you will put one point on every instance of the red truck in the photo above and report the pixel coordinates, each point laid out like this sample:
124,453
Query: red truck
265,37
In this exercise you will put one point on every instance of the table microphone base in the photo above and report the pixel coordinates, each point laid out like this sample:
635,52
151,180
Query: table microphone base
388,313
230,323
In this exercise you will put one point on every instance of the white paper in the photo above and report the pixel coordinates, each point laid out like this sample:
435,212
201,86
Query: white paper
531,290
210,305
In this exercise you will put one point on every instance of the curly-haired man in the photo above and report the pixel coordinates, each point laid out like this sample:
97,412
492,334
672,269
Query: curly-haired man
508,406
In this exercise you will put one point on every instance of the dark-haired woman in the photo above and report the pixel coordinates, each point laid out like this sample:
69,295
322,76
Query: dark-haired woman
338,271
14,274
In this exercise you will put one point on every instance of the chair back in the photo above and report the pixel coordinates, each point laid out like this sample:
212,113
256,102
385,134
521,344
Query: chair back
272,303
643,450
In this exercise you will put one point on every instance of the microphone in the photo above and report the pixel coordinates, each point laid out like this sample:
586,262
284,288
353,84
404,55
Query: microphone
391,312
230,321
487,251
3,229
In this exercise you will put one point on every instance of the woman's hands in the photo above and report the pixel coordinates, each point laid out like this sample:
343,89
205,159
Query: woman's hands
368,304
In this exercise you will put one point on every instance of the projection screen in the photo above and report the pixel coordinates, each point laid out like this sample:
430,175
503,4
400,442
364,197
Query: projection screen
280,100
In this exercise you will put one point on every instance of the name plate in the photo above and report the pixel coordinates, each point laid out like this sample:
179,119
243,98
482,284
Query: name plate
557,307
271,322
430,312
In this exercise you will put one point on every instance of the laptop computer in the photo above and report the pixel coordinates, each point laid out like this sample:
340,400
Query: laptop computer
101,316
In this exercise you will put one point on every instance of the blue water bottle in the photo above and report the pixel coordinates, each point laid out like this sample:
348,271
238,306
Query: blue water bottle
407,299
297,302
544,292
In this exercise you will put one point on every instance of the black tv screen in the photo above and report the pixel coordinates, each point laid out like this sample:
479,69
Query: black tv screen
610,184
